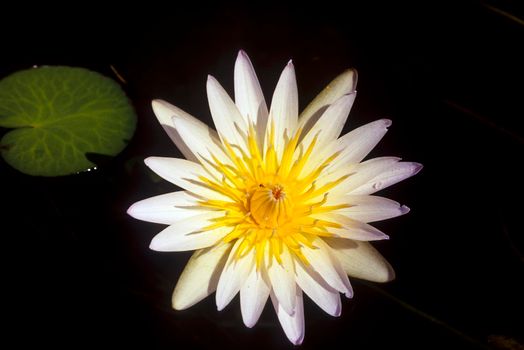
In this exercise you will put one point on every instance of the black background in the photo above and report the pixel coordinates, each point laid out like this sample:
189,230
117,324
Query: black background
77,270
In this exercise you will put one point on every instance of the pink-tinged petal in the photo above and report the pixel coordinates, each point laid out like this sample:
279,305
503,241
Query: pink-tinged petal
343,84
226,116
200,276
253,296
367,209
355,175
187,234
235,273
293,325
390,176
364,172
248,95
283,115
327,298
356,144
361,260
166,208
376,210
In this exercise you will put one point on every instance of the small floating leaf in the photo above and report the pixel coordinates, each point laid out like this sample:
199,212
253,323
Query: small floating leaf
59,114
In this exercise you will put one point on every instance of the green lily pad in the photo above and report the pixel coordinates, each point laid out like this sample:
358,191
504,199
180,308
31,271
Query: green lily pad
60,114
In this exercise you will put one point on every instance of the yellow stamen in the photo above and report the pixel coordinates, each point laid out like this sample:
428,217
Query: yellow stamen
271,198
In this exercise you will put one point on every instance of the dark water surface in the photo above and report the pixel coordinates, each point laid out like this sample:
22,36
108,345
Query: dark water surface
78,271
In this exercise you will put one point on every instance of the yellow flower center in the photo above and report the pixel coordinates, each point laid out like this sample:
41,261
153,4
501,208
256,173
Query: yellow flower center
270,206
271,198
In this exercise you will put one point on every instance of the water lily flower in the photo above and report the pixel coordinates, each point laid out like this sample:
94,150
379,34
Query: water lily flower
274,204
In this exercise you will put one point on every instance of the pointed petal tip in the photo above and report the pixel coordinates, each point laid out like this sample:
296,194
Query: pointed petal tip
154,245
177,305
149,161
297,341
354,74
221,301
242,53
248,323
220,305
387,122
404,209
391,274
417,168
348,293
388,274
161,108
156,102
131,210
155,164
158,244
289,69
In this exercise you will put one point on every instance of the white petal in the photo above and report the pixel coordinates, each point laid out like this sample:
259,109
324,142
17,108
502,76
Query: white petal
362,173
200,276
327,265
342,85
293,325
283,115
166,208
165,112
226,116
233,276
248,95
361,260
186,234
356,174
201,140
282,279
191,136
368,208
357,144
183,173
253,296
318,290
387,177
331,123
352,229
